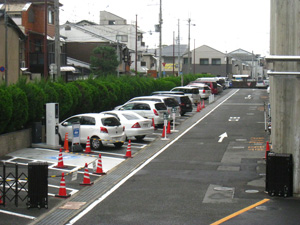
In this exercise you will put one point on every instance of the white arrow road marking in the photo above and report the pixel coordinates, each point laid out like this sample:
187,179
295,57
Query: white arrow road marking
222,136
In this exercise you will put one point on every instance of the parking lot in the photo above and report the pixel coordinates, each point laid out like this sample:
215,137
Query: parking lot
111,158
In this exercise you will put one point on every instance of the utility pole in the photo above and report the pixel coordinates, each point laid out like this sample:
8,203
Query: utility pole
194,57
189,47
173,52
160,37
136,39
6,47
179,54
57,39
45,41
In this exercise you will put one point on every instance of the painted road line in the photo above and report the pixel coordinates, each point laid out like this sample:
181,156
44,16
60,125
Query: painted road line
73,191
121,182
17,214
240,212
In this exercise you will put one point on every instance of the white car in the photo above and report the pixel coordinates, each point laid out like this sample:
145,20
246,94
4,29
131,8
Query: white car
135,125
148,109
101,129
170,102
204,90
192,92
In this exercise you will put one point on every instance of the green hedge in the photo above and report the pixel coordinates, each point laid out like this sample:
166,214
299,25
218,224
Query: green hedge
24,103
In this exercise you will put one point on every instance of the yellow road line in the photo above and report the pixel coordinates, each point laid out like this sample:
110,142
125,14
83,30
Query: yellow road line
240,212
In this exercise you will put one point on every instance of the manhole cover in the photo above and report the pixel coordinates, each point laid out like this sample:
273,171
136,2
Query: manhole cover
223,189
72,205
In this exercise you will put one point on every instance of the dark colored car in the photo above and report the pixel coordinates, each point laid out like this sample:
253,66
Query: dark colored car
184,101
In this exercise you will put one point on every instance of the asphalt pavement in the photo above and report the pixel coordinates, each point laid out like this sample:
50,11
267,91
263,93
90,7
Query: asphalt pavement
212,171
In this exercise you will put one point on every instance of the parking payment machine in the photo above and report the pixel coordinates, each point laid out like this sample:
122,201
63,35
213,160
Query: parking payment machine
52,120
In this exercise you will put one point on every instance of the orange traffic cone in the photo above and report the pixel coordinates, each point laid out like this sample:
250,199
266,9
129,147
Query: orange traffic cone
128,152
86,176
153,124
60,163
203,105
88,146
164,131
66,143
267,150
169,127
199,107
62,189
99,169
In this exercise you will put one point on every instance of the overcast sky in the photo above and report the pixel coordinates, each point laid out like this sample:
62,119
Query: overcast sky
225,25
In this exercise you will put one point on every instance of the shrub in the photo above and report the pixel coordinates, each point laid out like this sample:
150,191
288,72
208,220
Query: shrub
20,109
86,102
6,108
76,96
65,99
36,101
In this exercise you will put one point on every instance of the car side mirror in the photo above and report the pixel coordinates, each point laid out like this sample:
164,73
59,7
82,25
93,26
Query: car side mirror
65,124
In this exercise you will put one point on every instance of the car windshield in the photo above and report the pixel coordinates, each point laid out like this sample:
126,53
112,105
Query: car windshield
160,106
171,102
110,121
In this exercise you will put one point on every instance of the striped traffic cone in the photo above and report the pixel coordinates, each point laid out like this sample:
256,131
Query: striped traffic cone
66,143
86,177
128,152
99,169
169,127
62,189
60,163
88,146
153,124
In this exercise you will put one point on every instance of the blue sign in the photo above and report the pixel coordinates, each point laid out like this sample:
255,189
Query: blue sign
2,69
76,132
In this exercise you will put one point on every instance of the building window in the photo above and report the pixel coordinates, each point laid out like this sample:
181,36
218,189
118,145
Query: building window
122,38
30,16
111,22
143,63
216,61
204,61
50,16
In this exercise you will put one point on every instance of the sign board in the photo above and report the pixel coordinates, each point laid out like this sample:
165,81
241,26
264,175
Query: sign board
53,68
76,133
2,69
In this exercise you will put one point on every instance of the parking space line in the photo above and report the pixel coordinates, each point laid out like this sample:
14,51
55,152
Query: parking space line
240,212
17,214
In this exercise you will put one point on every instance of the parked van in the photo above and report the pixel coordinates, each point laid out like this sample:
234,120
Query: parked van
212,83
191,92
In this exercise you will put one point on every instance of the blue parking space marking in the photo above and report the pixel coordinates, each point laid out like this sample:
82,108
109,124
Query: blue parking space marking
67,157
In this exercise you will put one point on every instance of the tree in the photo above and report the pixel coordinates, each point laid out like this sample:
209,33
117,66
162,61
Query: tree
104,61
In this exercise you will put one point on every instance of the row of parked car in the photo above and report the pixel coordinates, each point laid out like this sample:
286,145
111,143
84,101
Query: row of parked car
135,118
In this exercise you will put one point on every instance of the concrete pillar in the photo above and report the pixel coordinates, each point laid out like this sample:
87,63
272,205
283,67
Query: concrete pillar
285,89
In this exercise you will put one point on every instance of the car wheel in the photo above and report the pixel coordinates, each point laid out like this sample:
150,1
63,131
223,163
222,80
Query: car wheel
119,144
182,114
96,144
140,138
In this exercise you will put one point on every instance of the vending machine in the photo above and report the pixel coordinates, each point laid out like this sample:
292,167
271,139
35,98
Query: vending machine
52,120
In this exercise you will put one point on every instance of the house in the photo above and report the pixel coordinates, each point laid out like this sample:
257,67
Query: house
171,55
31,17
13,38
82,37
207,60
248,63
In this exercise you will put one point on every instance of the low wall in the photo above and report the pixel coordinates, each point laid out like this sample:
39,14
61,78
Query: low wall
14,141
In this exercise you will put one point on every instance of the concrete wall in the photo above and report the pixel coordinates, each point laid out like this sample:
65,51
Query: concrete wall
14,141
285,89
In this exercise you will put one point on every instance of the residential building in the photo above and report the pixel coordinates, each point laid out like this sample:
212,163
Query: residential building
207,60
248,63
14,53
31,17
172,56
